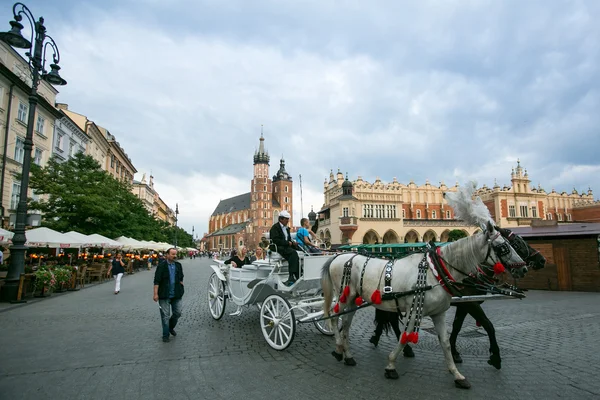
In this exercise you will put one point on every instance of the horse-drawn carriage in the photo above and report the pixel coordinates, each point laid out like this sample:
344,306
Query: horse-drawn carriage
261,284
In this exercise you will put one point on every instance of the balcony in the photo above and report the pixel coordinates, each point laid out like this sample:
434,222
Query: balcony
348,221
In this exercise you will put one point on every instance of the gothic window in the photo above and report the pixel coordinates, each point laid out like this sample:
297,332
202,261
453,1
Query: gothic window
448,214
569,218
549,216
418,214
433,215
285,188
345,212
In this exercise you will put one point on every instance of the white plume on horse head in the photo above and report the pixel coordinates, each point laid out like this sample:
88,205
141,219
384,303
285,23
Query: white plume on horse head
471,211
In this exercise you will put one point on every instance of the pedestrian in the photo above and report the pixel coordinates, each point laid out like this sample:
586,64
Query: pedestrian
117,268
168,291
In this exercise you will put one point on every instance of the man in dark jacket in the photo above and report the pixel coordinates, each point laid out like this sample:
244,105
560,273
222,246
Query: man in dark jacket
168,290
281,237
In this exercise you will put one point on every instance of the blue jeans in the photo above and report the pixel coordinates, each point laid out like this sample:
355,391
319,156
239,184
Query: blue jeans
169,321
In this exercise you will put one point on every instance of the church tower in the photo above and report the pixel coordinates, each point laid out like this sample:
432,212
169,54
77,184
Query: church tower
283,190
260,191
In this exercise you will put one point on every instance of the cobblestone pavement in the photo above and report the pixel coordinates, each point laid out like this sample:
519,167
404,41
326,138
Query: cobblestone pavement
92,344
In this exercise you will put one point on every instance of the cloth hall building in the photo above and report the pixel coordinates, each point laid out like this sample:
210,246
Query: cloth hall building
362,212
243,219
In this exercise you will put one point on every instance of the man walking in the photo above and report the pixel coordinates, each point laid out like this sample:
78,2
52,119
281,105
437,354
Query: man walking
168,291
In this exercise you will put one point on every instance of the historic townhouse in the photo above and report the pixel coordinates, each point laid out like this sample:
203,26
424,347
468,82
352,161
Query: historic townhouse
69,138
145,191
15,86
117,163
97,146
363,212
243,219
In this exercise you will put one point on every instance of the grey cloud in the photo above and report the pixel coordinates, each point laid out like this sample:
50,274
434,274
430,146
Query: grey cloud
435,90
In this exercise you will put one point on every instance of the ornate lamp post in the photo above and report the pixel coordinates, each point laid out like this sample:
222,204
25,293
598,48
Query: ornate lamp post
37,66
176,214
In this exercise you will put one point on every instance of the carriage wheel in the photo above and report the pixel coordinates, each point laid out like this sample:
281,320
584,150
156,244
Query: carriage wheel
323,325
216,296
277,322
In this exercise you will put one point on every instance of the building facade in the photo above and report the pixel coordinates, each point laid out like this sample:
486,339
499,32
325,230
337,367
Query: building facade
97,146
117,163
69,139
363,212
244,219
15,86
160,210
145,191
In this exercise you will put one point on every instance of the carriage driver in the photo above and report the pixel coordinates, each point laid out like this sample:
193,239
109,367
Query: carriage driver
281,237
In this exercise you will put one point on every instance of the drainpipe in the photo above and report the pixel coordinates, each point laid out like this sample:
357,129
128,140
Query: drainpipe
6,132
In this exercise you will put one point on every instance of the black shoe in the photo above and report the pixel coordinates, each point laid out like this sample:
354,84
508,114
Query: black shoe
172,332
375,340
289,282
408,352
166,339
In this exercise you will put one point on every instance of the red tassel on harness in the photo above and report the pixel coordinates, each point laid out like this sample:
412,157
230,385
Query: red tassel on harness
404,338
498,268
358,301
345,294
336,308
376,297
413,337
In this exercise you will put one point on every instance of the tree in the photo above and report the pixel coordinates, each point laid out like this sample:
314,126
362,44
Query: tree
456,234
80,196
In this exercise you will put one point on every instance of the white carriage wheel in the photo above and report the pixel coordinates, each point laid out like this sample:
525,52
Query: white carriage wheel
323,325
216,296
277,322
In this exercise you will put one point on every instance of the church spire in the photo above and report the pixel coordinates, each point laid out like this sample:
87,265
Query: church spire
261,156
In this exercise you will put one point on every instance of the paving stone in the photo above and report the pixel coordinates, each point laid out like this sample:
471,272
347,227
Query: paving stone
92,344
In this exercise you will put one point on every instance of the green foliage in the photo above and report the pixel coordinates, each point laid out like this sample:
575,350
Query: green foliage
83,197
456,234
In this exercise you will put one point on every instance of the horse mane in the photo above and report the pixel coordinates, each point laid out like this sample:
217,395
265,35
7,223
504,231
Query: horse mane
471,211
462,254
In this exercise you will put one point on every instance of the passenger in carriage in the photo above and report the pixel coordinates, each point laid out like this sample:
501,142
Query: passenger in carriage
283,243
303,237
239,258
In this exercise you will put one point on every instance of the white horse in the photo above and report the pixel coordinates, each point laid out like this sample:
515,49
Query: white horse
366,278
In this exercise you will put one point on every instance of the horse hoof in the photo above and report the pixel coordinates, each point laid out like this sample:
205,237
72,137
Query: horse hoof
457,358
350,361
462,383
391,374
338,356
495,361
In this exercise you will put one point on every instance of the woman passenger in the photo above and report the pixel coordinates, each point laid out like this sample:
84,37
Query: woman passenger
240,258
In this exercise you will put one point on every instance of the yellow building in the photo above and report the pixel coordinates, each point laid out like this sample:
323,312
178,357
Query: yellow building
15,87
363,212
145,191
161,211
98,145
117,163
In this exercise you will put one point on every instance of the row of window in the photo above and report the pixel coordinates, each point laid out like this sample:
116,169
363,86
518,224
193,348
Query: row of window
389,211
379,211
523,210
559,217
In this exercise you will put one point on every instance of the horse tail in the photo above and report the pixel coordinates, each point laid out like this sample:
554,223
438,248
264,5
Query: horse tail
327,286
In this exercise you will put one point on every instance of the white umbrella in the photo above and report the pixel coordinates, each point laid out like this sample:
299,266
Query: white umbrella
5,236
129,243
105,242
81,238
46,237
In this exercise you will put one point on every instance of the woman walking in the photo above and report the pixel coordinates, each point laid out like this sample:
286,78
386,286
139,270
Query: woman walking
118,269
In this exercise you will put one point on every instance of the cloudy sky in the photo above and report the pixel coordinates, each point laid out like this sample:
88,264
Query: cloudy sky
446,90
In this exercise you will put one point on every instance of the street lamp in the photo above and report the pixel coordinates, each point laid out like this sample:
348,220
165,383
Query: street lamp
37,65
176,214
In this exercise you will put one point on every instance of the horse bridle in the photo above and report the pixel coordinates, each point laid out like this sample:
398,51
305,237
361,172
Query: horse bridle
501,250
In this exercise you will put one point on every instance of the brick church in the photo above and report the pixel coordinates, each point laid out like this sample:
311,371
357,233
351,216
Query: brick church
243,219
